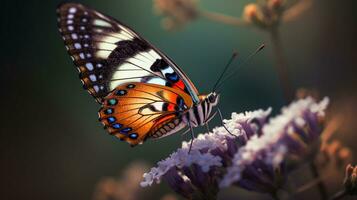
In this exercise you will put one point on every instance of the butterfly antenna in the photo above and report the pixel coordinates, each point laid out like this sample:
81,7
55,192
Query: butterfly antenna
242,64
234,55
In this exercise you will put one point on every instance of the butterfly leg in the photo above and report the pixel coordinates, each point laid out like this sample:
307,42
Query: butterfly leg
207,127
186,131
208,120
192,136
221,120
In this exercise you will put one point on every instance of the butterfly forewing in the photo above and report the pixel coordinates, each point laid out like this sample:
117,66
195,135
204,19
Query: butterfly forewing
108,53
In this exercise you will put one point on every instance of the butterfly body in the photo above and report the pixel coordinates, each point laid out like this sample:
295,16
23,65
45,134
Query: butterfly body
143,94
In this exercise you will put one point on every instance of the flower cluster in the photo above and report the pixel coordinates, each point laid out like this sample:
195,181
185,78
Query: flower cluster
254,154
176,12
269,13
198,173
260,164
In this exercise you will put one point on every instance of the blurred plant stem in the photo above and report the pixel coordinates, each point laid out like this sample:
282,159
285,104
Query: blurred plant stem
281,64
339,195
336,196
320,185
308,185
222,18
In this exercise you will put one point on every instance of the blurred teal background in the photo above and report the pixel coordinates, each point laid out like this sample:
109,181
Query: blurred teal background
54,146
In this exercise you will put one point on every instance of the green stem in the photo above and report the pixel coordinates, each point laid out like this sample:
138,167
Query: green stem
281,64
320,185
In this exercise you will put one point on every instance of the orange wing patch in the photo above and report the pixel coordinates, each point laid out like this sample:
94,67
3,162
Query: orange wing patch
132,111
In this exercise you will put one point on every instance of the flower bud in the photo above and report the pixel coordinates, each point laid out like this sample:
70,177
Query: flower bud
351,180
177,13
275,4
250,12
253,14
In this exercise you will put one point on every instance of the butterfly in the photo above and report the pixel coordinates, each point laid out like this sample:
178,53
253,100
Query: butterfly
142,92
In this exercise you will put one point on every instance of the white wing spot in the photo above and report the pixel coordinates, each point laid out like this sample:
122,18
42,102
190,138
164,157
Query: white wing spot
100,15
123,35
71,28
81,55
69,21
98,30
92,77
103,54
128,31
74,36
99,22
84,20
106,46
70,16
89,66
77,45
167,70
141,63
158,81
73,10
154,54
96,88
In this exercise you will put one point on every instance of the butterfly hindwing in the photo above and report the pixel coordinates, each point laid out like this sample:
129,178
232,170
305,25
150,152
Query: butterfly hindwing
108,53
135,111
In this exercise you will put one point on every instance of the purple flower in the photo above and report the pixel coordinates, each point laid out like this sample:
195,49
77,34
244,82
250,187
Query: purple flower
260,165
254,156
197,174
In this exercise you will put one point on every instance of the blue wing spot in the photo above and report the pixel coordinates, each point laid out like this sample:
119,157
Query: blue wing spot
125,130
111,119
117,126
172,77
130,86
121,92
109,111
133,136
112,102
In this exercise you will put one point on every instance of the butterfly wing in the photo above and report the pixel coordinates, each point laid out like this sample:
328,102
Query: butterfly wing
135,111
107,53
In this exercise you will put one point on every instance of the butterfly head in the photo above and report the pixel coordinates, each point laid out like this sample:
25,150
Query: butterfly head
213,98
